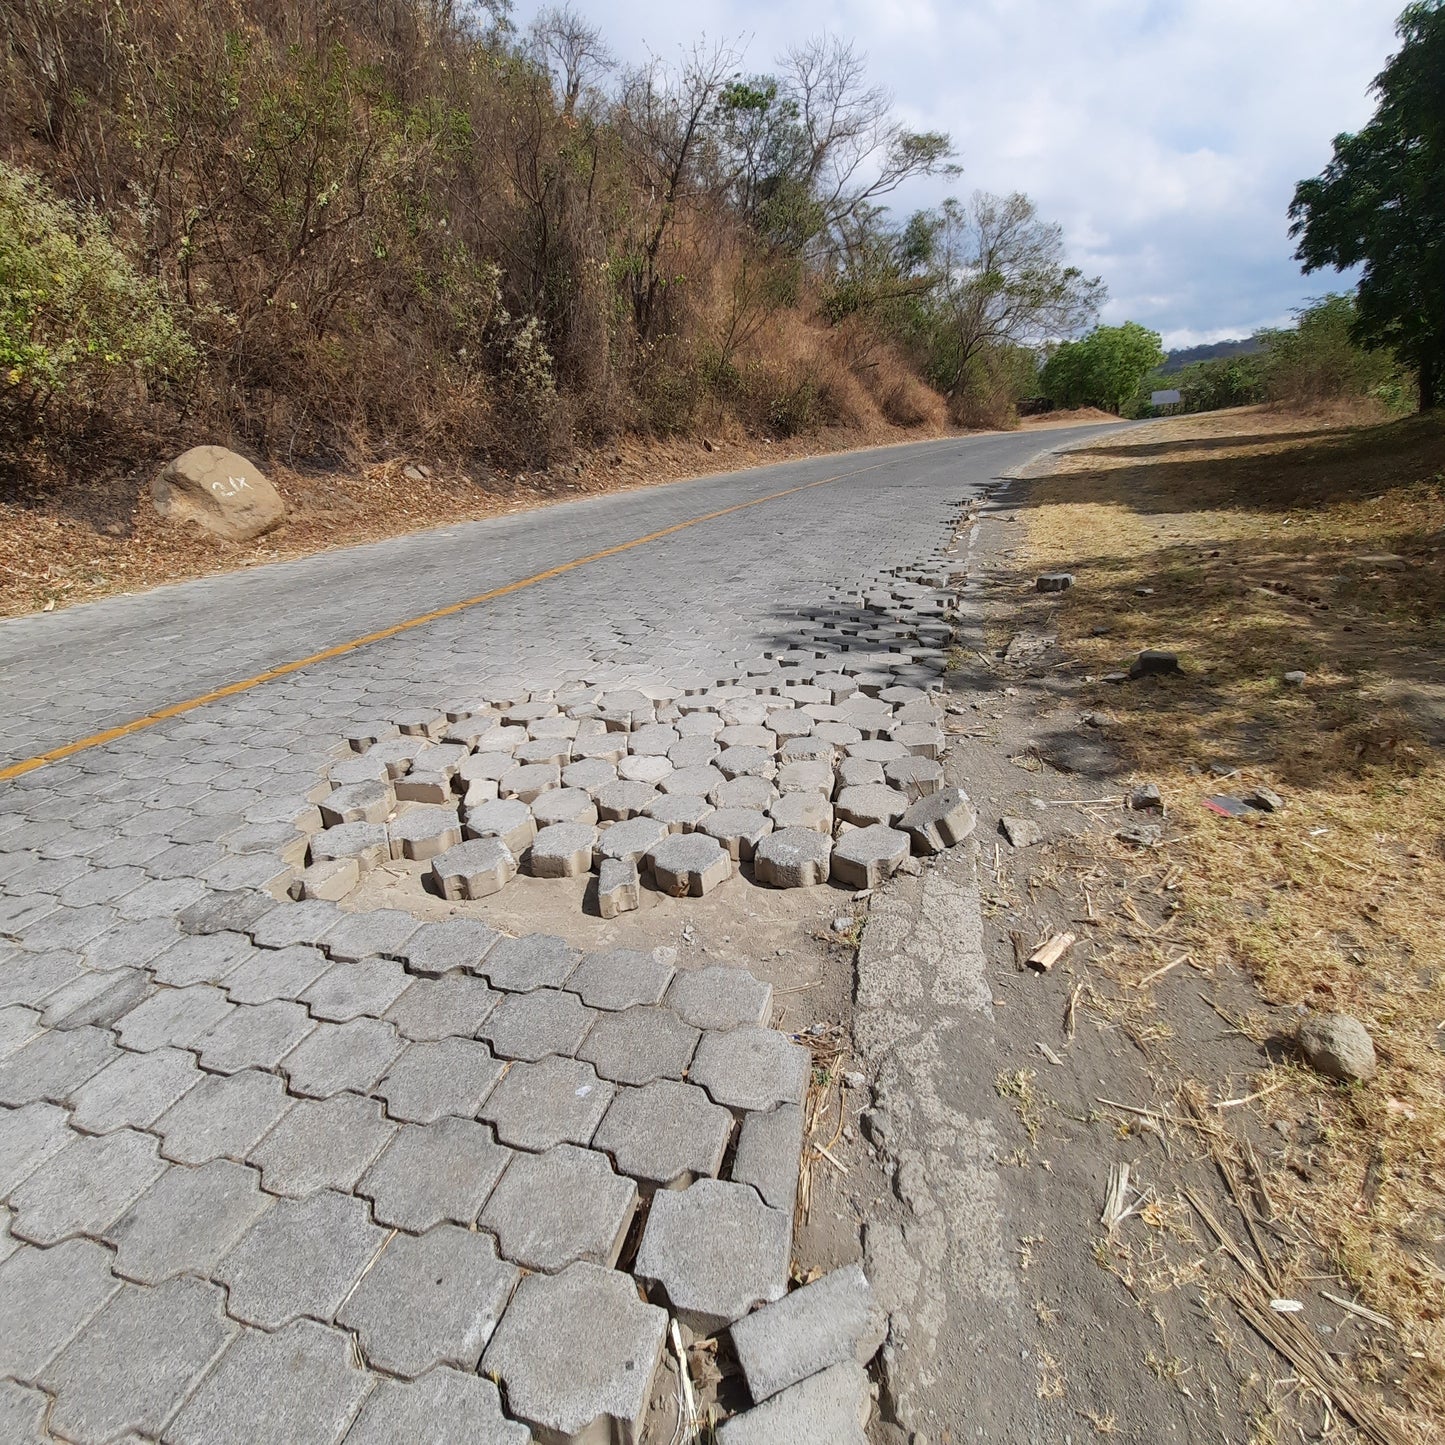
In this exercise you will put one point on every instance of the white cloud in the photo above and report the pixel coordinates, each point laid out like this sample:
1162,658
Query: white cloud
1166,136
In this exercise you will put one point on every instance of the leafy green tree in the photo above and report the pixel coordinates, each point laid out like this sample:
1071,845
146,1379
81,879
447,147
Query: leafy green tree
1380,204
1104,369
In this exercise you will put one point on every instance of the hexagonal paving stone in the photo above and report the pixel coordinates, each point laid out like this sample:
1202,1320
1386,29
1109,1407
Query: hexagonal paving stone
941,820
665,1134
432,1080
793,858
430,1299
695,782
690,865
428,1175
554,1101
531,1025
754,762
638,1045
751,1068
865,857
556,1320
620,978
678,812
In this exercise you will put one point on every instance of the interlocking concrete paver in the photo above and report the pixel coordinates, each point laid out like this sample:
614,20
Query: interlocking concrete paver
620,978
336,1057
299,1258
255,1037
85,1187
174,1017
430,1299
134,1089
275,973
186,1221
348,990
444,1407
456,1004
223,1117
18,1025
97,997
864,857
638,1045
769,1153
239,1402
321,1144
719,997
46,1296
289,923
665,1134
437,948
793,858
379,933
22,1412
432,1080
536,960
690,865
54,1065
751,1068
29,977
136,1360
532,1025
554,1101
200,958
827,1409
426,1176
557,1322
29,1136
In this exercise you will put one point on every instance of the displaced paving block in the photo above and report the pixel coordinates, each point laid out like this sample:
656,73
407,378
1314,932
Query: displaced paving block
300,1258
134,1089
915,777
437,948
678,812
336,1057
665,1134
744,792
770,1153
602,747
793,858
693,752
875,750
941,820
802,810
563,850
544,752
553,1209
652,740
441,1007
870,804
833,1320
739,830
751,1068
420,723
358,769
536,960
224,1117
528,781
619,888
827,1409
86,1187
424,831
746,762
864,857
444,1407
186,1221
239,1403
377,933
859,772
444,1171
621,800
690,865
554,1101
532,1025
136,1360
46,1295
564,805
628,841
367,844
510,820
368,802
714,1251
431,1080
839,735
349,990
720,997
811,749
638,1045
806,775
644,769
556,1321
330,879
483,768
698,724
430,1299
322,1145
620,978
475,869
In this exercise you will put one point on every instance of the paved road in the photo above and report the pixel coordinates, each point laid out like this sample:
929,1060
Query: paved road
193,1145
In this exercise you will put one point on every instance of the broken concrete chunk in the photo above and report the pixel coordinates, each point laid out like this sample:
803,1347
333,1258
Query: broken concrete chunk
1150,663
1021,832
1054,582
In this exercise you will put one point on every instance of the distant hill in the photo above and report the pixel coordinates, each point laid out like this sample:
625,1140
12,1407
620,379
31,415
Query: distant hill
1212,352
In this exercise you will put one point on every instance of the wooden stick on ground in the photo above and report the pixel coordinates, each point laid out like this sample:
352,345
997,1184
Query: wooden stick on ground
1046,955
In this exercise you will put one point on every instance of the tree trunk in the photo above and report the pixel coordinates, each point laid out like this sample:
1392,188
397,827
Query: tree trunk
1430,381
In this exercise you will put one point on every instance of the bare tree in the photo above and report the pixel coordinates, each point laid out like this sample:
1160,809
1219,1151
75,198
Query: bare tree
572,50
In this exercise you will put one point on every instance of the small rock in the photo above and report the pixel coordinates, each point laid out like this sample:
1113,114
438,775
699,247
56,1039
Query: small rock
855,1079
1055,582
842,924
412,473
1295,679
910,868
1021,832
1265,799
1147,799
1143,591
1338,1046
1142,835
1150,663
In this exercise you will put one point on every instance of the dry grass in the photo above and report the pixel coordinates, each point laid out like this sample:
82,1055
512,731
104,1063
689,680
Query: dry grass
1274,542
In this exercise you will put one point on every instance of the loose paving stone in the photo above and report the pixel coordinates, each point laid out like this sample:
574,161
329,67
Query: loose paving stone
336,1057
444,1407
838,735
860,772
551,1210
619,888
739,830
536,960
430,1299
46,1296
379,933
475,869
696,782
714,1251
29,1136
484,768
254,1037
423,832
98,998
510,820
802,810
437,948
693,752
296,923
200,958
678,812
368,845
877,751
275,973
136,1360
833,1320
871,804
864,857
915,777
602,747
793,858
748,735
620,978
529,781
439,1008
921,739
744,792
541,752
359,802
749,762
532,1025
827,1409
186,1221
813,749
427,1175
719,997
665,1134
650,770
564,805
751,1068
223,1117
319,1145
361,769
172,1018
348,990
629,841
941,820
54,1065
554,1101
239,1402
616,802
805,775
576,1354
587,775
769,1153
690,865
432,1080
563,850
638,1045
300,1258
133,1089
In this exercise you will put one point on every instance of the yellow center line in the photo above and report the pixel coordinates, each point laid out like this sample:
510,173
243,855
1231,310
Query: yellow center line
96,740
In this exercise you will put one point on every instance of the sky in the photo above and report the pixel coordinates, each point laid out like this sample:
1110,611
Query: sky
1164,136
